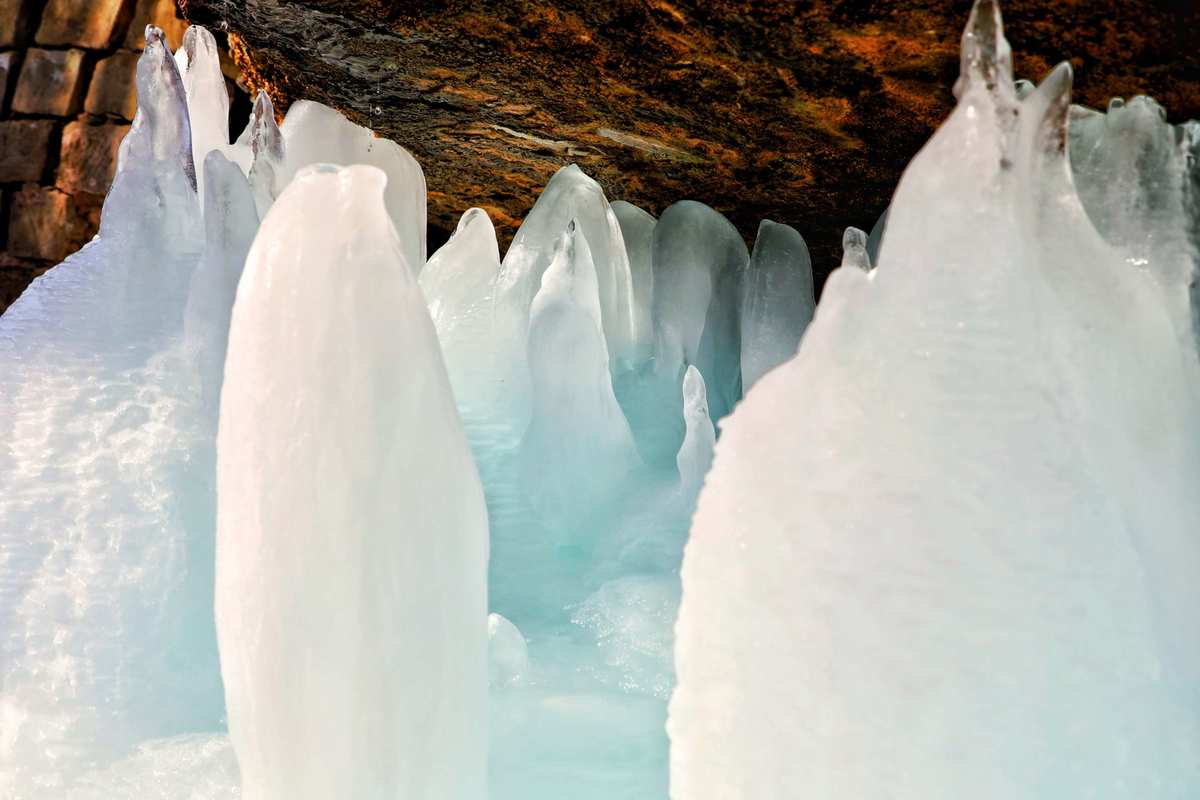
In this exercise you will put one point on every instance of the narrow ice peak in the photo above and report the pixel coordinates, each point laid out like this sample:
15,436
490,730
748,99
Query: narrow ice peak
986,57
266,147
696,453
854,249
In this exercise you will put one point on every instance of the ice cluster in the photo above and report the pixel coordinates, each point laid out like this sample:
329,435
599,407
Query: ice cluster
289,510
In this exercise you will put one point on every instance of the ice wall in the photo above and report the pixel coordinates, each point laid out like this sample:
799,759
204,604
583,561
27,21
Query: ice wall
106,499
949,550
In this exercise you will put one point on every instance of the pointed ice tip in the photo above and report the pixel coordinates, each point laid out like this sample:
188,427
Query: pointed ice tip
263,105
693,387
986,56
853,237
1053,98
154,35
1056,86
854,249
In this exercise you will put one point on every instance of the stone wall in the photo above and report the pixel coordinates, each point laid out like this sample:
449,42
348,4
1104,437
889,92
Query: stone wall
67,96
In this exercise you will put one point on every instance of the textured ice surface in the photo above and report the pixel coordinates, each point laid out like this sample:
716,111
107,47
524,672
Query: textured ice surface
351,618
966,567
105,488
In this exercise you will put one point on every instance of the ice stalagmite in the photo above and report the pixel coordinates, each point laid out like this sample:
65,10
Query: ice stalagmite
578,445
572,195
637,230
696,452
459,285
267,166
777,301
856,249
979,588
316,134
699,258
105,506
230,222
352,535
207,99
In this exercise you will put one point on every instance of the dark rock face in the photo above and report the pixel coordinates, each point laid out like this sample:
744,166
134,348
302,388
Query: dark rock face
804,113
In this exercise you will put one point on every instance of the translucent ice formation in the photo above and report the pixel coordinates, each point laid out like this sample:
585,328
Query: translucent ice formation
967,566
778,300
947,549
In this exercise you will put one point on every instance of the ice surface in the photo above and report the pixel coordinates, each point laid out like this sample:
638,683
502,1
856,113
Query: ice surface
777,301
105,496
980,588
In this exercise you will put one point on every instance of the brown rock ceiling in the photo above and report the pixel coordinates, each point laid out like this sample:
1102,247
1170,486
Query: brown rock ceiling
804,113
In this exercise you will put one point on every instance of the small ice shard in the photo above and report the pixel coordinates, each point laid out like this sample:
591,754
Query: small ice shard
267,155
777,301
1024,88
637,229
696,453
207,97
572,195
316,134
578,445
352,541
459,284
854,250
699,258
230,222
508,655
